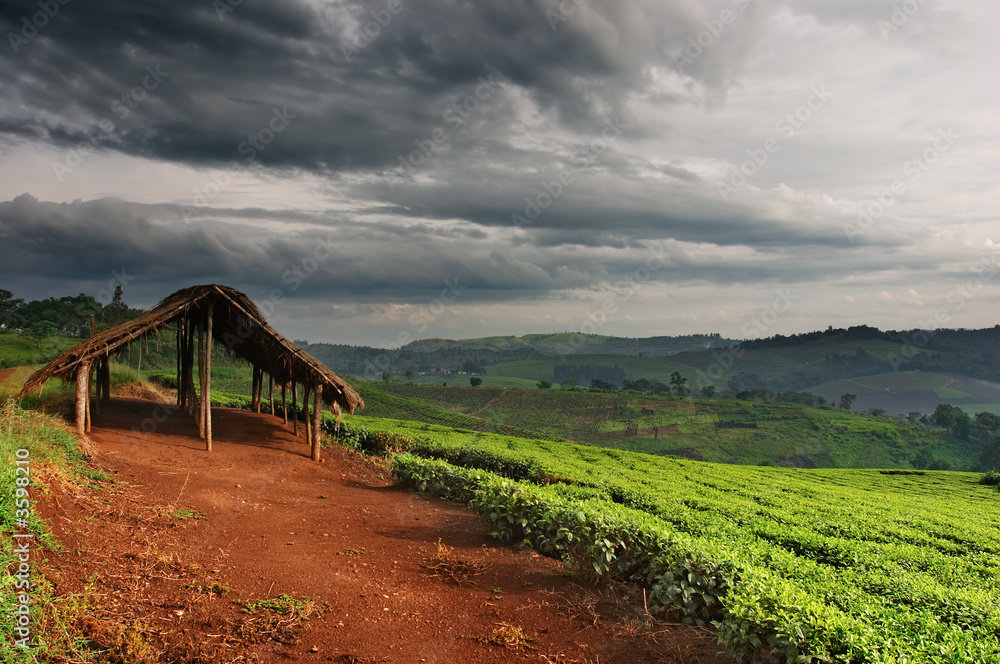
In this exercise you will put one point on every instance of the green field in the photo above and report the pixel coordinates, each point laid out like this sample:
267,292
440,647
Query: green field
20,349
770,364
767,434
915,391
840,565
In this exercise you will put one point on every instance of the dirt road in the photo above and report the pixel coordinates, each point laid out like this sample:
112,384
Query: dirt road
337,533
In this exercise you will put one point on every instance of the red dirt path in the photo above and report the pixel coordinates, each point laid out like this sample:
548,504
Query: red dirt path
337,532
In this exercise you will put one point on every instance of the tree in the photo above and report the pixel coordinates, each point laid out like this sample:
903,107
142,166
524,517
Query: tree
570,382
708,391
409,377
599,384
475,381
544,384
117,311
954,419
847,400
8,307
679,382
387,377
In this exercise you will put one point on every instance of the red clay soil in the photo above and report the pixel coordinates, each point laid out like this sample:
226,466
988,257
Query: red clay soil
335,532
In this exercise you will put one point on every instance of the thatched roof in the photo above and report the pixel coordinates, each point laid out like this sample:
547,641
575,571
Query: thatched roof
237,324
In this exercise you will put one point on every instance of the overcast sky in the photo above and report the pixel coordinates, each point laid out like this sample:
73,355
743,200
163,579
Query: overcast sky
367,170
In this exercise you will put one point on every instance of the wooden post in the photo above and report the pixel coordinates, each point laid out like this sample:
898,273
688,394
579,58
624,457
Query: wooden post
295,409
189,367
81,398
305,408
317,427
270,393
106,377
201,378
179,344
90,370
284,404
255,390
208,378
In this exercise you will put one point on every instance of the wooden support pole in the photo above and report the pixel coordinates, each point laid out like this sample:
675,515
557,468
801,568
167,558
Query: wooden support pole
255,390
208,377
201,379
189,394
270,393
317,427
295,409
179,345
284,403
106,377
81,398
90,371
305,408
95,378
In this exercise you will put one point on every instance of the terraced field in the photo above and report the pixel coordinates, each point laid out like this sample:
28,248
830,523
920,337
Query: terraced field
793,565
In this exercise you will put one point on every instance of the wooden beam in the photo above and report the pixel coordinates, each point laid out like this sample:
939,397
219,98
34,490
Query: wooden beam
270,393
179,345
106,377
201,378
317,427
81,398
295,409
90,371
208,378
284,403
305,408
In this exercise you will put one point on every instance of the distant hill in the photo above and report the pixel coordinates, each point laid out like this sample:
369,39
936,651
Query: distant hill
571,343
721,430
474,355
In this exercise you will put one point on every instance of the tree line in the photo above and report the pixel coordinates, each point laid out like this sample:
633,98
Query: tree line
72,316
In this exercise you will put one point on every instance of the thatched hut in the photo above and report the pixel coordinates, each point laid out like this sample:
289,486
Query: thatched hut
202,315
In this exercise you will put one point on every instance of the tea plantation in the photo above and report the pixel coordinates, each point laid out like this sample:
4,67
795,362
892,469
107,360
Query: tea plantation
796,565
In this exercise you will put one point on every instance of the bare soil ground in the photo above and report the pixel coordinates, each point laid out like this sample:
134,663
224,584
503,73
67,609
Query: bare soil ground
180,537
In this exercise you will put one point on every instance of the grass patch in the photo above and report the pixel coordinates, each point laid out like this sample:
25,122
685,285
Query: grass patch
61,627
184,513
444,565
506,635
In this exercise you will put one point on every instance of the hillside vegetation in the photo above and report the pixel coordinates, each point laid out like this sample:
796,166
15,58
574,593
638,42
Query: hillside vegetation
720,430
793,565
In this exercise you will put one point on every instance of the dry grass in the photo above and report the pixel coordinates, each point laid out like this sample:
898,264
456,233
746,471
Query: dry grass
444,565
506,635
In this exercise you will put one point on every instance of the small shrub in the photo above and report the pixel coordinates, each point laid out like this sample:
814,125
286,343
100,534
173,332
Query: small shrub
991,478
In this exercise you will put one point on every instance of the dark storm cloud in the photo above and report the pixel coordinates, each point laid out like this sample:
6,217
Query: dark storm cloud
222,76
43,246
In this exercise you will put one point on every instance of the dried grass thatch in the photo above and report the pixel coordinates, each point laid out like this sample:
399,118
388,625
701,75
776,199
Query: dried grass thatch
238,325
